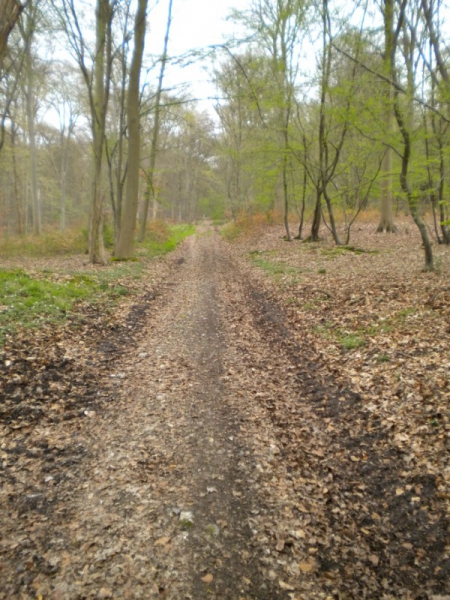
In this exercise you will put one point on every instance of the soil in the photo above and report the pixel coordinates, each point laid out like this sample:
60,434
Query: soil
201,447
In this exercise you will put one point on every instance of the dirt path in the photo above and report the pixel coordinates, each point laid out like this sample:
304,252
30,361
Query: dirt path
161,493
214,474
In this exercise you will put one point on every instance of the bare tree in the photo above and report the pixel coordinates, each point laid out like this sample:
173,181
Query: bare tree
124,247
149,188
28,30
96,70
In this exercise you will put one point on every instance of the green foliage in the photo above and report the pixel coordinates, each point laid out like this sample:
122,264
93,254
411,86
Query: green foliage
163,238
333,333
352,341
30,300
383,358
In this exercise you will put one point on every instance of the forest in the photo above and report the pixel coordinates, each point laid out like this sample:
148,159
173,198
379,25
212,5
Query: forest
224,320
322,111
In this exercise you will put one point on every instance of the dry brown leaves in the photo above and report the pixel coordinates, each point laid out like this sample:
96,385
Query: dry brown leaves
365,422
303,416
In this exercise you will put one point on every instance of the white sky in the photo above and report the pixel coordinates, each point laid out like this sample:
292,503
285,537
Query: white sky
196,25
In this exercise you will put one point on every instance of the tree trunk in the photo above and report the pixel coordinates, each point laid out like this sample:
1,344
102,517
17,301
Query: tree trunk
99,104
317,219
9,13
441,200
333,227
124,248
285,190
18,201
386,223
412,201
149,192
31,115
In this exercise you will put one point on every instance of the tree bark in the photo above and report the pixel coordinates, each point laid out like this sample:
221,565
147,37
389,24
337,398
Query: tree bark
124,248
9,14
317,219
386,223
149,188
99,103
31,116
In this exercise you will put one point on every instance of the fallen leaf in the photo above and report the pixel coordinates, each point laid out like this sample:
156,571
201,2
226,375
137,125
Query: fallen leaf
286,586
162,541
308,566
374,559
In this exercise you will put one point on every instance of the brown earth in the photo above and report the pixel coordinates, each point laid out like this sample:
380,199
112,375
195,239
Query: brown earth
208,443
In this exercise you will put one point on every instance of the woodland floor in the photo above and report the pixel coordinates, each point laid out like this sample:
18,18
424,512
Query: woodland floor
267,421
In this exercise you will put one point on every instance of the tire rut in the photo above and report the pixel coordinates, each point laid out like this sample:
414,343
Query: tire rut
168,497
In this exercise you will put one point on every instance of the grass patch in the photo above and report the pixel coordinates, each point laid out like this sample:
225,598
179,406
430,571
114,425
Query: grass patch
29,301
162,238
340,250
383,358
349,341
352,341
33,299
272,267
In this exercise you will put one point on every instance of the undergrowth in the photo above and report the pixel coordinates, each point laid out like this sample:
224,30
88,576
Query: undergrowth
49,243
246,224
162,238
51,295
30,300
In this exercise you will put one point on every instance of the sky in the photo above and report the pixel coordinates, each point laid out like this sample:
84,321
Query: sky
196,25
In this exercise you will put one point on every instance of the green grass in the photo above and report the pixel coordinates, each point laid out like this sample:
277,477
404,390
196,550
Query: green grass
30,300
162,239
273,268
352,341
340,250
349,341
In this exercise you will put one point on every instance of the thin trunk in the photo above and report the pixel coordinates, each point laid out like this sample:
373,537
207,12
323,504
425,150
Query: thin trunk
149,191
302,212
412,200
120,177
124,248
31,115
18,201
65,145
317,219
285,187
386,223
323,153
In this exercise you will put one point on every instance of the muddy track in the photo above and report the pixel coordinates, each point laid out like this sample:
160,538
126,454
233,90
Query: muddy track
226,464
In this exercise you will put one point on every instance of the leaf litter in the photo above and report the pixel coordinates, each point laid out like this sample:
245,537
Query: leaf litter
219,439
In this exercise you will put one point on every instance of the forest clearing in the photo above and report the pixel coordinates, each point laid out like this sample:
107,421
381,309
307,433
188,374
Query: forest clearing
253,419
